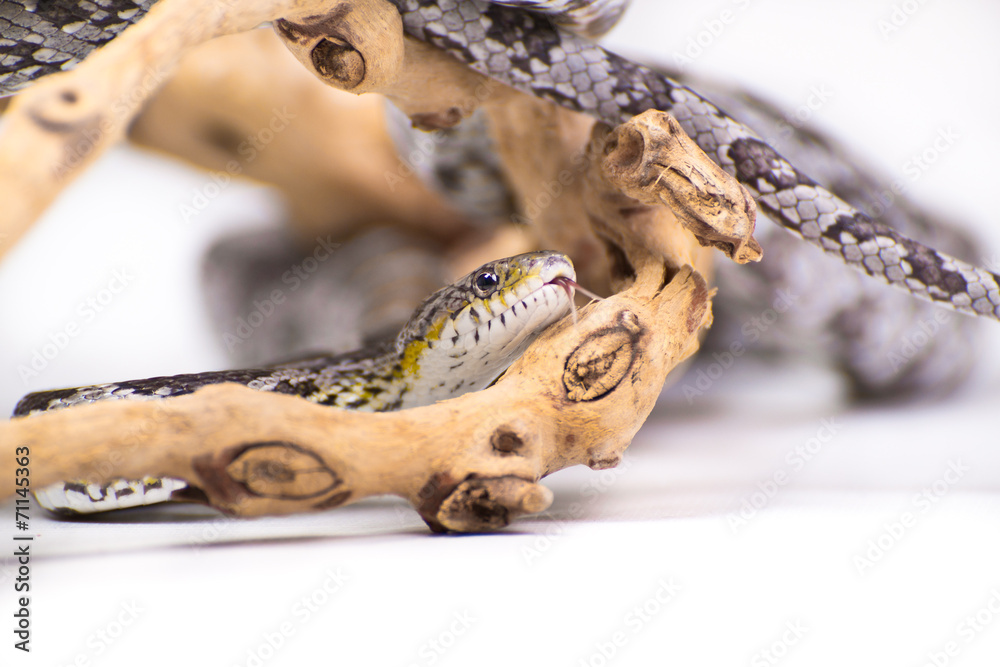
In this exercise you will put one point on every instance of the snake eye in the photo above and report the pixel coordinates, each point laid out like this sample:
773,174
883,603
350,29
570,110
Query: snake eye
485,283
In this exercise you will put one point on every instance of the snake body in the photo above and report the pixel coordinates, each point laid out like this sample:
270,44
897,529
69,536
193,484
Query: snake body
40,38
876,337
458,340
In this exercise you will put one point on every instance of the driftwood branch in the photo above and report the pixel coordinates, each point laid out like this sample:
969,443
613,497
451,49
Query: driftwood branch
655,162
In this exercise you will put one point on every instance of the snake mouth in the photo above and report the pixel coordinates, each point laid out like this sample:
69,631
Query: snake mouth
570,286
566,283
562,282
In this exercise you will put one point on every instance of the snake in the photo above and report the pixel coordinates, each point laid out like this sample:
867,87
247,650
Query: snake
544,48
460,339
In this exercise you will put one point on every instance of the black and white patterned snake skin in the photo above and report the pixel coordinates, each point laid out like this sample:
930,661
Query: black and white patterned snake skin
516,42
39,37
888,345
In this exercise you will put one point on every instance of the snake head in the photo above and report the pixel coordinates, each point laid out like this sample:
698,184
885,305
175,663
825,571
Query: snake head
465,335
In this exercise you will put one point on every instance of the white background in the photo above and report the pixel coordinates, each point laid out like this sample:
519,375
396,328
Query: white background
197,589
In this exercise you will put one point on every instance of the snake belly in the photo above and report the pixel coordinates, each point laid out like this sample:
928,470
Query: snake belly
460,339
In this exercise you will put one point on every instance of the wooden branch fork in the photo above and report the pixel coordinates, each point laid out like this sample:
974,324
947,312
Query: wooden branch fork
638,213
